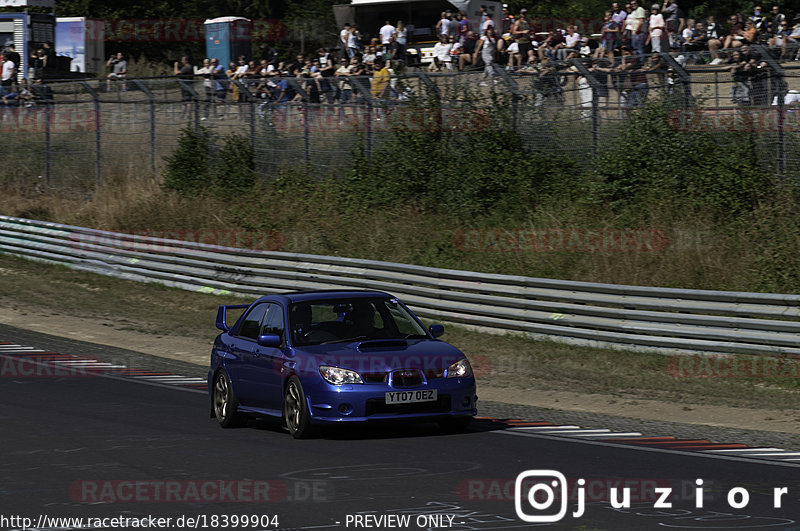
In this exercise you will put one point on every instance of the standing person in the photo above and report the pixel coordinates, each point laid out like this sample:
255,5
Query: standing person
637,24
37,64
672,19
610,38
13,56
657,24
619,16
119,70
507,22
487,24
443,25
463,26
344,36
353,41
522,33
455,26
7,76
486,47
208,86
402,41
185,72
220,85
387,33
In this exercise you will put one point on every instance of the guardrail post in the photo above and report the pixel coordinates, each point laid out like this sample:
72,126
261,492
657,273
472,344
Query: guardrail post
150,96
97,131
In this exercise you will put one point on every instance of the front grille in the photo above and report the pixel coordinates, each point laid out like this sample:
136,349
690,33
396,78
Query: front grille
377,406
431,374
375,377
407,378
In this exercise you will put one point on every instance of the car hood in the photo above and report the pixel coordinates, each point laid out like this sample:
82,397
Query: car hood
381,355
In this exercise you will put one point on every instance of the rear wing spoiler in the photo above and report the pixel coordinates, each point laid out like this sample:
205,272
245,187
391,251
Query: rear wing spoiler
221,324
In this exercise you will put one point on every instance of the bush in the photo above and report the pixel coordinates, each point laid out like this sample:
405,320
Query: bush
650,163
234,167
188,169
197,167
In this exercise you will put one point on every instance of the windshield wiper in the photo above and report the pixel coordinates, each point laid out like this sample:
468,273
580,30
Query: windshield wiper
345,340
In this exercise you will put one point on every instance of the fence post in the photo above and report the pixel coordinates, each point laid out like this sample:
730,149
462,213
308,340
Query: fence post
777,71
150,96
516,95
595,85
683,75
362,86
306,132
97,131
48,116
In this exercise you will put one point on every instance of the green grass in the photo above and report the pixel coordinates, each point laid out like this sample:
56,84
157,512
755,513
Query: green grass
500,360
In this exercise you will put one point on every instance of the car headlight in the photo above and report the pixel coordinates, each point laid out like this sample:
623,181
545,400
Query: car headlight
460,369
339,376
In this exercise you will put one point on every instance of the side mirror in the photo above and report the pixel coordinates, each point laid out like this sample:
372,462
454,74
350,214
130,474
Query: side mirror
436,330
269,340
221,324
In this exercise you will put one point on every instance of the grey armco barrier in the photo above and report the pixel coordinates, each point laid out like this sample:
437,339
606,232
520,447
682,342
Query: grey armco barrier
583,312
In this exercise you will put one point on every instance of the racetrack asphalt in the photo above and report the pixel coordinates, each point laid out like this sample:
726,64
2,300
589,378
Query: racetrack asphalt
107,447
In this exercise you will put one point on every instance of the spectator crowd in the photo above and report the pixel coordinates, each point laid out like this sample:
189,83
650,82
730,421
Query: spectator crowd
624,51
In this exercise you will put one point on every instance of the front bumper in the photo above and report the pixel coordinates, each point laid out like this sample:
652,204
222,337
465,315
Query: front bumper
329,403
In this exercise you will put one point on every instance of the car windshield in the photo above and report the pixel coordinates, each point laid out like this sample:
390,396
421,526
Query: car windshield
344,320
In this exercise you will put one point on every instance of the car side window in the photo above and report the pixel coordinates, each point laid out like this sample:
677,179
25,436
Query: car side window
252,322
273,322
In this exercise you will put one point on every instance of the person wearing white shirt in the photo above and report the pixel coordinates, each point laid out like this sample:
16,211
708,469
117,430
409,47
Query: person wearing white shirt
344,37
792,98
386,32
657,25
441,54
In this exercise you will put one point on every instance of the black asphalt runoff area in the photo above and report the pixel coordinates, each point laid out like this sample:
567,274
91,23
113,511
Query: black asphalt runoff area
97,447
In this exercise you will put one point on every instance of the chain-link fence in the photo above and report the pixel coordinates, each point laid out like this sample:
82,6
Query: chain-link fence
77,134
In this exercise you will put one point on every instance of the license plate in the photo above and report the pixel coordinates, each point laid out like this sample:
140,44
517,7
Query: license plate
409,397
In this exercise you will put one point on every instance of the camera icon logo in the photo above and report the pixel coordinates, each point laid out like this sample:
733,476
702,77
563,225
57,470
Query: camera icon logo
540,490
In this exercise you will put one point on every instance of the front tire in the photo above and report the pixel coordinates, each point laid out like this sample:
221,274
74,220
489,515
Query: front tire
295,410
225,403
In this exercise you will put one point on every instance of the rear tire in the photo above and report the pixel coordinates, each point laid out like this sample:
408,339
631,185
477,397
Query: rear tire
225,403
295,410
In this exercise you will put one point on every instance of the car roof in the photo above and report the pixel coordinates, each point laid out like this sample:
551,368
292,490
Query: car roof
305,296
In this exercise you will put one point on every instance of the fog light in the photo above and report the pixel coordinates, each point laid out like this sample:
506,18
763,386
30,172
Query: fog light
465,401
345,408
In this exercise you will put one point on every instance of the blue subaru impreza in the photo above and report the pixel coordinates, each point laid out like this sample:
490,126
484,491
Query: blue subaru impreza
328,357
